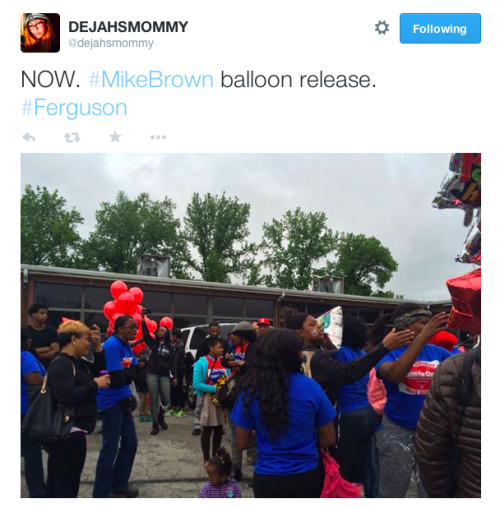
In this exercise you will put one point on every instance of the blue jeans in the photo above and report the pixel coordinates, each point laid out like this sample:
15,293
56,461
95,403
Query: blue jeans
115,464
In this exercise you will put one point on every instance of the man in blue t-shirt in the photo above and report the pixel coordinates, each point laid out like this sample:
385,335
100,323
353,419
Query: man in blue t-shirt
116,404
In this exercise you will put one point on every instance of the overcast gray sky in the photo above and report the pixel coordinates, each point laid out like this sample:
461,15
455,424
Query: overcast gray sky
383,195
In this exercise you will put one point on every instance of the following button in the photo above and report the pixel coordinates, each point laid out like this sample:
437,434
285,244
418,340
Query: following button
440,28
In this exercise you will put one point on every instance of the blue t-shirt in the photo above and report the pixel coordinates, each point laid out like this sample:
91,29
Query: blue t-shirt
354,395
296,451
28,364
115,351
405,399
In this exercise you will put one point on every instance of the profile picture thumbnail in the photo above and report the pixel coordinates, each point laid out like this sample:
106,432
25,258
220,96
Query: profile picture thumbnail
40,32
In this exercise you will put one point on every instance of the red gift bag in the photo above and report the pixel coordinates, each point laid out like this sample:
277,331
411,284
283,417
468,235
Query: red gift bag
335,485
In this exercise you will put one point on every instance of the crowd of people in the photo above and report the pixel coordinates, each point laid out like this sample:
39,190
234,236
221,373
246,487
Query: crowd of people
388,404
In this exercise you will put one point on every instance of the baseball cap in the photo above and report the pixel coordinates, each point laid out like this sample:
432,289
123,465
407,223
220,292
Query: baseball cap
264,321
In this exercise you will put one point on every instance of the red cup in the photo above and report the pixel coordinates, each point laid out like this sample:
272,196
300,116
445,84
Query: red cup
126,362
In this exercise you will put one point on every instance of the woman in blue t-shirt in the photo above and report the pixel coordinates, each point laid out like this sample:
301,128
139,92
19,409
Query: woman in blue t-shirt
32,373
407,373
358,420
288,415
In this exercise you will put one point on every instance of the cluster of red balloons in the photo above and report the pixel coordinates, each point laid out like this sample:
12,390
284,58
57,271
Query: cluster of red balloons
128,301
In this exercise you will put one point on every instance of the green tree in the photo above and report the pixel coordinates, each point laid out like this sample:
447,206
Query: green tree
128,228
48,228
363,262
292,245
216,229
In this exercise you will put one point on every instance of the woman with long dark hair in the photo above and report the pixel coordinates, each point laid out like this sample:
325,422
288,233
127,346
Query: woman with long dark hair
74,382
291,417
407,373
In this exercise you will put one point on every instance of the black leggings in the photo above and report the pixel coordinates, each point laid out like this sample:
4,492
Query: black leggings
65,466
206,432
308,484
354,449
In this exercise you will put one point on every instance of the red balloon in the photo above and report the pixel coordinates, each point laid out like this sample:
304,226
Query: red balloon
126,303
137,294
117,288
109,309
138,334
152,325
167,323
138,348
109,331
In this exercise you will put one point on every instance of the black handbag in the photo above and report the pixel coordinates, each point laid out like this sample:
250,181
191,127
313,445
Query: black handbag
46,420
228,393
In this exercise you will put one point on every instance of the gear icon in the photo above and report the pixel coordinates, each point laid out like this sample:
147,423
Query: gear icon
382,27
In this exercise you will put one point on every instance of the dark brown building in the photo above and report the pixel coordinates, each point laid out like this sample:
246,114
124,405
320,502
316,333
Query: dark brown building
81,294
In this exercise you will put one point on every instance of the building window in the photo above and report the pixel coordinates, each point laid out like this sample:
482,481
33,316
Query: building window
96,297
368,315
231,307
97,318
259,308
66,296
55,317
157,301
186,321
298,306
190,304
316,309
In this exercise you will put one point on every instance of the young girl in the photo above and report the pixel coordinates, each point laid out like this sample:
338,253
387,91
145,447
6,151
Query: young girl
219,484
207,371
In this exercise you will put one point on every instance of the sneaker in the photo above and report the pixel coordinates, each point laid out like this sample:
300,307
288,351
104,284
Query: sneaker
170,413
179,414
196,432
155,430
148,419
142,418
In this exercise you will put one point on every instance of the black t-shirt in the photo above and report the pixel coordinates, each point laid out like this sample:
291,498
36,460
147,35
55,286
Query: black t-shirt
42,338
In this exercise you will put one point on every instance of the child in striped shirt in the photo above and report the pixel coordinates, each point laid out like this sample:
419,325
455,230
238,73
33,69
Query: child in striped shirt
219,483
